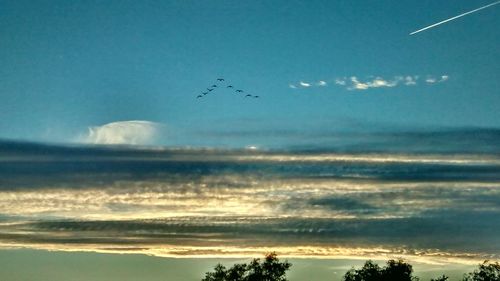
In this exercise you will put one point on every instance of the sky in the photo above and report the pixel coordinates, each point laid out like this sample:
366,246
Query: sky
46,266
365,141
70,66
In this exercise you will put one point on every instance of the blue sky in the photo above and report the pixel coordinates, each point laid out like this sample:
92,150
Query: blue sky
70,65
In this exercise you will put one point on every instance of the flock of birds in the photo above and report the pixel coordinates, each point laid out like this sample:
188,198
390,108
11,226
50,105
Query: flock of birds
221,85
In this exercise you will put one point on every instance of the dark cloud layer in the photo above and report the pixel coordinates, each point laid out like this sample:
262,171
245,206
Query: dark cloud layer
476,232
31,164
210,201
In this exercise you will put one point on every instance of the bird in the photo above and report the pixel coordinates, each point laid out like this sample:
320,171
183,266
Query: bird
256,97
214,86
199,96
230,86
248,95
210,89
205,93
239,91
220,79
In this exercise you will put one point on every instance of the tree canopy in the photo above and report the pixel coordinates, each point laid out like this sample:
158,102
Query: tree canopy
270,269
487,271
393,271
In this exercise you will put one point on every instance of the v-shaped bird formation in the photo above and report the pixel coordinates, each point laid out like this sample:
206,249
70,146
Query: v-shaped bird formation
222,85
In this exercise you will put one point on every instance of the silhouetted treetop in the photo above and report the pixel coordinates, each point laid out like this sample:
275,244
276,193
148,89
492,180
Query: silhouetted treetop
487,271
270,269
393,271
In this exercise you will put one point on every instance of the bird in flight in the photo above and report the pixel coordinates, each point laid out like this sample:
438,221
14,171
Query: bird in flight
220,85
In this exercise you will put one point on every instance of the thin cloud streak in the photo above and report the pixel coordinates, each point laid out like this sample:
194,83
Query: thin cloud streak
424,256
454,18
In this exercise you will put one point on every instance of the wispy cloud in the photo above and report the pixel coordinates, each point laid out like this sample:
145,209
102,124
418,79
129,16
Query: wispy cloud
124,132
377,82
304,84
410,80
433,80
354,83
340,81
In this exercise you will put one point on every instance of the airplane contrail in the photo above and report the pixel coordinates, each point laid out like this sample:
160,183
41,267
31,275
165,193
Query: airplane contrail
455,17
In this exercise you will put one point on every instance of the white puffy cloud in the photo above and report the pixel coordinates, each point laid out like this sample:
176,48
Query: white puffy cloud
380,82
133,132
431,80
355,83
340,81
377,82
411,80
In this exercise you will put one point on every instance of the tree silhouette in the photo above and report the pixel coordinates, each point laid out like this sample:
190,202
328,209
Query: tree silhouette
393,271
219,274
398,271
270,269
488,271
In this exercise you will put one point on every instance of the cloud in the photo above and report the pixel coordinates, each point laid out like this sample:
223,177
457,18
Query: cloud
433,80
353,83
411,80
377,82
356,85
340,81
133,132
220,202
